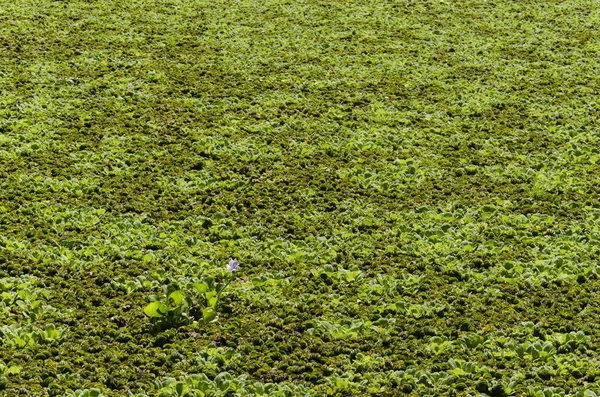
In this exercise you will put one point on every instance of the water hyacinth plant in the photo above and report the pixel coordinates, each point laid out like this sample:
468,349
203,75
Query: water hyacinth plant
193,301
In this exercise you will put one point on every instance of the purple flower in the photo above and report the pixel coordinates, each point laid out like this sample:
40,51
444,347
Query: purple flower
233,265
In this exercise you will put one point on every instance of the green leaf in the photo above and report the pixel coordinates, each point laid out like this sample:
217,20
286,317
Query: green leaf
209,315
24,294
212,302
201,287
351,275
177,297
210,294
222,381
155,309
219,215
95,393
181,389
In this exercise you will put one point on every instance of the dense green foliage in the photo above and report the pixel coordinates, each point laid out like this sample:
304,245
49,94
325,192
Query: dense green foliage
411,189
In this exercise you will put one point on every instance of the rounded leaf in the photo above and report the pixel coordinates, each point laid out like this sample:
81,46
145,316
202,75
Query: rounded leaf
201,287
177,297
153,309
209,315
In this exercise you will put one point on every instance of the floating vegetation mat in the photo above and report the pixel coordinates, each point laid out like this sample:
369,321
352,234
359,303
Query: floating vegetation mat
299,198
